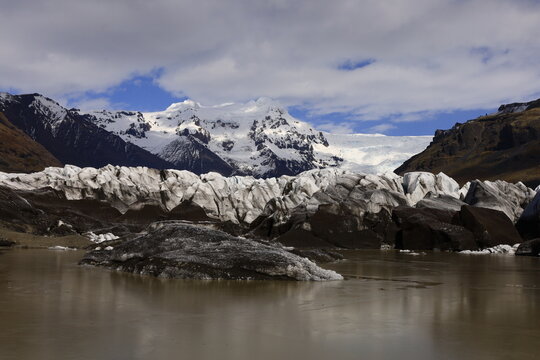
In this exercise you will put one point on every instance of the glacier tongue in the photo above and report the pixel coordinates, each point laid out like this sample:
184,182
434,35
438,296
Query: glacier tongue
236,199
242,199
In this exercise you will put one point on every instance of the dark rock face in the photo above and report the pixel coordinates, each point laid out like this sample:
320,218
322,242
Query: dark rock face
152,213
49,213
349,215
301,238
16,212
339,225
529,248
490,227
428,229
504,146
189,153
180,250
528,224
71,137
60,216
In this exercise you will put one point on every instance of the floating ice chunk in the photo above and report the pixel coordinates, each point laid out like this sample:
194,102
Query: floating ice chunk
499,250
58,247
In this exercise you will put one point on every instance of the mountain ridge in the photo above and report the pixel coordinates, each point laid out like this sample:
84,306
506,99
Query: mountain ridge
258,138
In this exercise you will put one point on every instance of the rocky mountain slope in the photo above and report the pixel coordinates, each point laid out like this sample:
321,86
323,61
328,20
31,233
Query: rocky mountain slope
19,153
504,145
71,137
259,138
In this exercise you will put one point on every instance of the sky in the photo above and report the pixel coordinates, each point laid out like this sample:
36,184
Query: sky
393,67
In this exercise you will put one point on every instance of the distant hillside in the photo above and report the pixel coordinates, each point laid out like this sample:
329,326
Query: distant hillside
19,153
504,145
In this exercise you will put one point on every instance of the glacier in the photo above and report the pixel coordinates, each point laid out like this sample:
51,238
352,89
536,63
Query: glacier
241,199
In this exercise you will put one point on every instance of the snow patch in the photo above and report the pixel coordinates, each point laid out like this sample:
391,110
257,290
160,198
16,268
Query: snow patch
99,238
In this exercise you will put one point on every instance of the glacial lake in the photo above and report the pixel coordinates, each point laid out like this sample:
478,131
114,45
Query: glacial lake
393,306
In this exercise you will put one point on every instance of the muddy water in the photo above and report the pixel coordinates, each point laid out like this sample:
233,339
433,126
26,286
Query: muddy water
394,306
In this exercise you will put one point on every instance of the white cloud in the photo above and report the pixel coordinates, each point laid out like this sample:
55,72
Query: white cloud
86,104
429,56
381,128
336,128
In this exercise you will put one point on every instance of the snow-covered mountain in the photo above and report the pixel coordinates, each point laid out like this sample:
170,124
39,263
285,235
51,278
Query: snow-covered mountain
258,138
69,136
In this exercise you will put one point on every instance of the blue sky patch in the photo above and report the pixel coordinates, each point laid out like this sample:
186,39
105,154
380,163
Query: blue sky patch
140,93
351,65
425,126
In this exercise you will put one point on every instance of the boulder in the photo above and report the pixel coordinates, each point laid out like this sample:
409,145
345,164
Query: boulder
529,248
528,224
490,227
509,198
429,229
174,249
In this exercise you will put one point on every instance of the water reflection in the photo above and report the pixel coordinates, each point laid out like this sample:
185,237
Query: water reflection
439,306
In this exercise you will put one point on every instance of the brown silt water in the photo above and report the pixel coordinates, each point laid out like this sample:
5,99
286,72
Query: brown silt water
392,306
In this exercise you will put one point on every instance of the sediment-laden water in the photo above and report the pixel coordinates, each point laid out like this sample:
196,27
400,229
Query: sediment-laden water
393,306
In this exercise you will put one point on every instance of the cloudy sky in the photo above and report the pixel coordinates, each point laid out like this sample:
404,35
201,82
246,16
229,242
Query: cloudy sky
397,67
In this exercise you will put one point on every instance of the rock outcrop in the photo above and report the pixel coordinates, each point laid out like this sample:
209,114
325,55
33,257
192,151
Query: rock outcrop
428,229
179,250
489,226
529,248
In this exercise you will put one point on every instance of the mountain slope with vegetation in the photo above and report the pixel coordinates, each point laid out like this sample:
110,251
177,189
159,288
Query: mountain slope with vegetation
19,153
504,145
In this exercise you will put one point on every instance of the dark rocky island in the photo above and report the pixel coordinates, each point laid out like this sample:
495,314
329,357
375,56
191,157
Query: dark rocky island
180,250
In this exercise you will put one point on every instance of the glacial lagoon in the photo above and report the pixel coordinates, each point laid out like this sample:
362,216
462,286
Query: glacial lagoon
392,306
